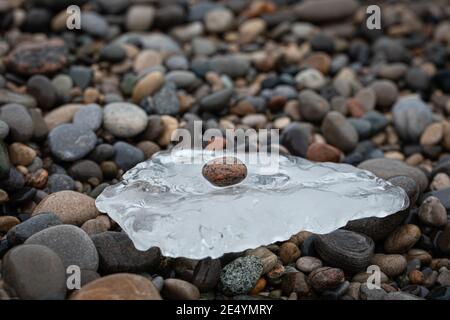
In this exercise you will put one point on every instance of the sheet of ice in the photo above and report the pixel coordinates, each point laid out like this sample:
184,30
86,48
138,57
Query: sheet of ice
169,204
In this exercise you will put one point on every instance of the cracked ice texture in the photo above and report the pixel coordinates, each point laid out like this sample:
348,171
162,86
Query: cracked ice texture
166,202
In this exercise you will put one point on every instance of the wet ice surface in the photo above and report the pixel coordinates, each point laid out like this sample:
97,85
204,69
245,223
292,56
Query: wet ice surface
166,202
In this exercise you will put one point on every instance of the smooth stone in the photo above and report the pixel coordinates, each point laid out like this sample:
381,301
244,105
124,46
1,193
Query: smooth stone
432,212
121,286
241,275
339,132
308,264
21,154
8,222
289,252
216,101
70,142
390,264
326,278
37,57
90,117
402,239
117,254
84,170
313,107
386,93
411,116
310,79
19,121
388,168
70,243
139,18
124,120
113,53
177,289
148,85
42,89
295,138
219,20
34,272
177,62
417,79
102,152
21,232
94,24
62,84
59,182
71,207
81,76
166,101
127,156
181,78
233,66
345,249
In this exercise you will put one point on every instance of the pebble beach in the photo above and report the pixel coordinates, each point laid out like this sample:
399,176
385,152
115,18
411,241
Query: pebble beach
79,108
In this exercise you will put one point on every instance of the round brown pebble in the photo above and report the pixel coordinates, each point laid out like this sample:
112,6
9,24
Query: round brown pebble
7,222
326,278
224,171
119,286
402,239
391,264
70,206
289,252
416,277
322,152
21,154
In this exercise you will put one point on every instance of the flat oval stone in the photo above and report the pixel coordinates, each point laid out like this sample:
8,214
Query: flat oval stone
70,142
225,171
70,206
345,249
38,58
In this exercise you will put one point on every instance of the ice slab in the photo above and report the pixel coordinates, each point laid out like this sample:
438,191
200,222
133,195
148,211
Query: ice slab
166,202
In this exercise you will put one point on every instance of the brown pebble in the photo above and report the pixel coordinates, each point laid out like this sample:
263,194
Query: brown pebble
7,222
326,278
225,171
21,154
416,277
402,239
322,152
289,252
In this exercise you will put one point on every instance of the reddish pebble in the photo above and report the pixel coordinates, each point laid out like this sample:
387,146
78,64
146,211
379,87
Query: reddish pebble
225,171
322,152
